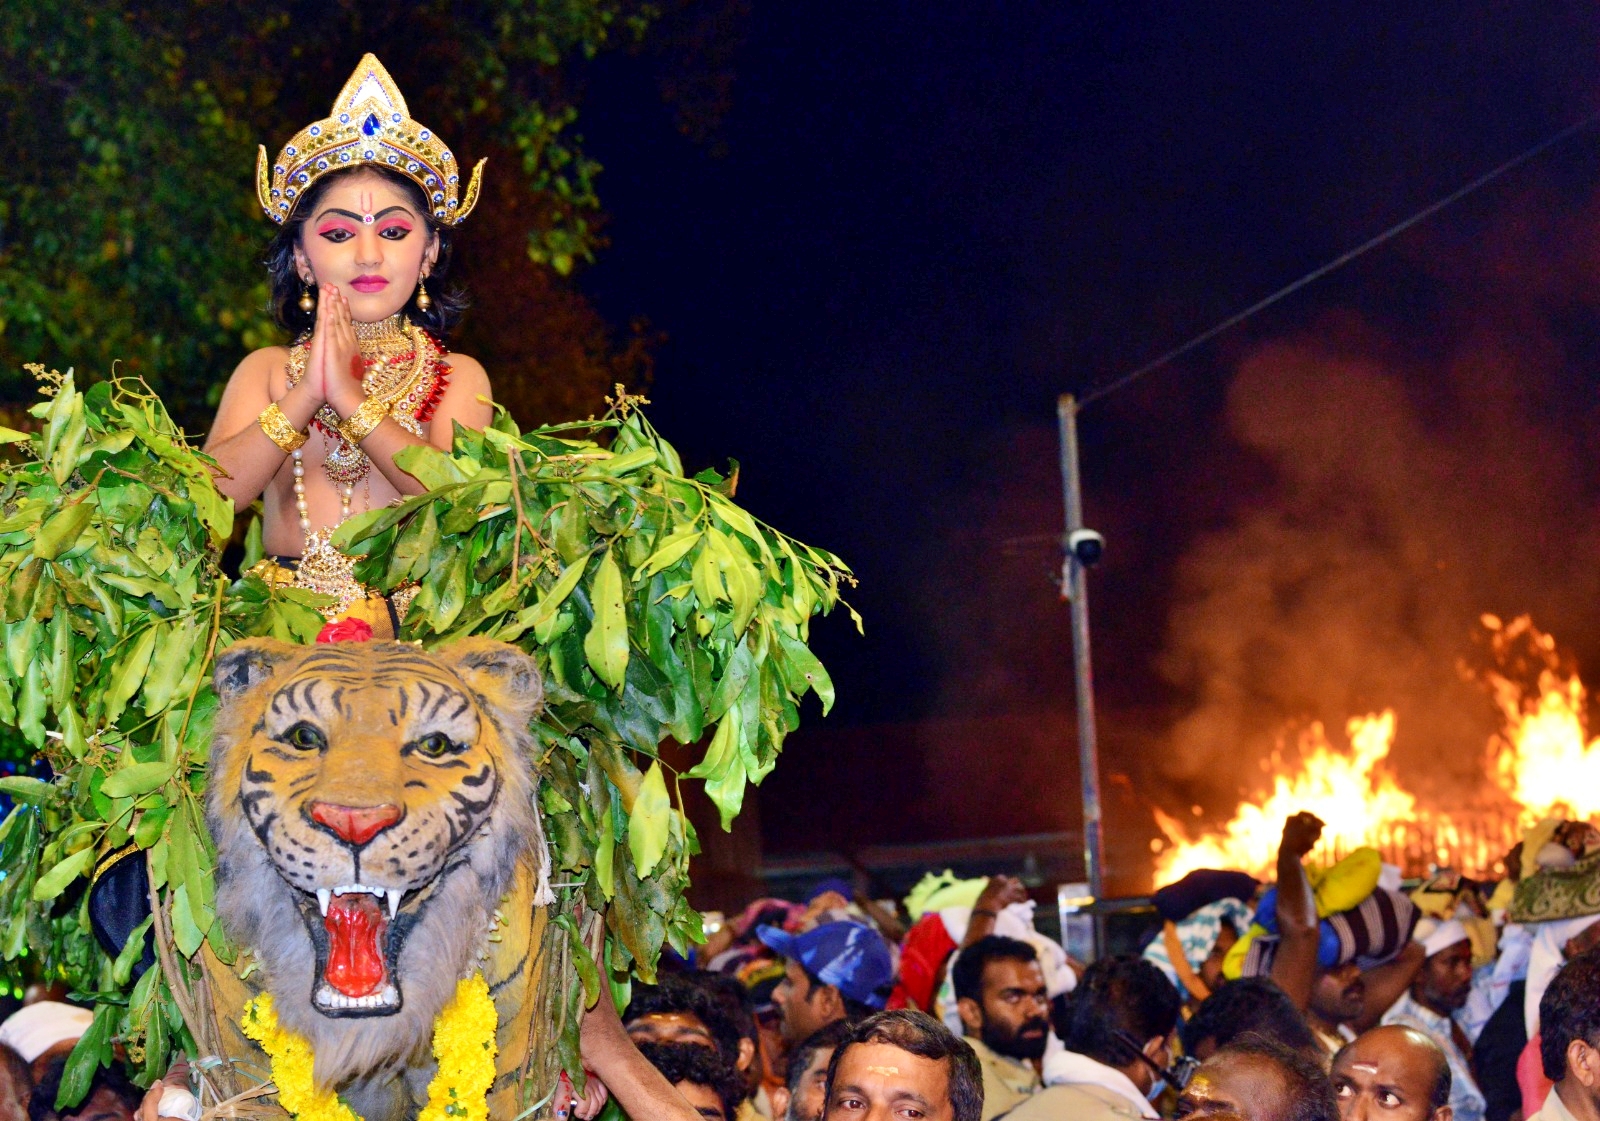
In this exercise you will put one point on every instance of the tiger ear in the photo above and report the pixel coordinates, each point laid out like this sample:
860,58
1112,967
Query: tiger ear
504,675
249,662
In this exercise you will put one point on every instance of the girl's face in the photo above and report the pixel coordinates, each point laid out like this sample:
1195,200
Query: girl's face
366,238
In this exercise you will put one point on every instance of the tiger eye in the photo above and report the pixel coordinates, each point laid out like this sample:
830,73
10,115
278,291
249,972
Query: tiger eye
305,737
434,744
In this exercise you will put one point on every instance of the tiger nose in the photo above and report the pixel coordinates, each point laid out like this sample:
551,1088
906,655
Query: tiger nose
355,824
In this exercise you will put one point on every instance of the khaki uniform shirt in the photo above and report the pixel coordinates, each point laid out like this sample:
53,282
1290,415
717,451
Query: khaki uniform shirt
1007,1083
1077,1102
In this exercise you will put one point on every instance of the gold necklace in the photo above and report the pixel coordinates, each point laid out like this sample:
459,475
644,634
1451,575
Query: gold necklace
400,362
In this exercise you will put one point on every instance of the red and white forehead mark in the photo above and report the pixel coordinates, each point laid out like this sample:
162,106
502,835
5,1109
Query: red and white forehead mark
364,201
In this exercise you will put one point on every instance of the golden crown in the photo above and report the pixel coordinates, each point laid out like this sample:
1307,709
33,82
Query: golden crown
369,125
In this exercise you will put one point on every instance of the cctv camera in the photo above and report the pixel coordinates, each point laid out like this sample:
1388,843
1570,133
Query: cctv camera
1087,546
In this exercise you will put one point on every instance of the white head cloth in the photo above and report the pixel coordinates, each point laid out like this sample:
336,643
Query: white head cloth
35,1028
1437,935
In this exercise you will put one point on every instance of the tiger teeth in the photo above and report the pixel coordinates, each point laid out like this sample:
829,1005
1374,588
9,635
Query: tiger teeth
329,997
324,897
393,895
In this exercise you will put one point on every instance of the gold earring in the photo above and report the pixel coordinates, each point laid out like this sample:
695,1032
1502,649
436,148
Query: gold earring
424,301
307,304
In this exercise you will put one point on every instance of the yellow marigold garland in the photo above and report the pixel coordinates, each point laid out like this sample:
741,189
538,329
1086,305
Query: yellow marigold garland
463,1043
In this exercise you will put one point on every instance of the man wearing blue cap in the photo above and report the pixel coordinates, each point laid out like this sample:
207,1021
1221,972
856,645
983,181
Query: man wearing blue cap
837,971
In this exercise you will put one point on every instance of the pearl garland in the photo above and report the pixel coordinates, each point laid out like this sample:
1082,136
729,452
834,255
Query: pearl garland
300,496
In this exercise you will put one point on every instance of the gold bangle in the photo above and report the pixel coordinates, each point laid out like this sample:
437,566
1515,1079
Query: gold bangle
279,430
359,425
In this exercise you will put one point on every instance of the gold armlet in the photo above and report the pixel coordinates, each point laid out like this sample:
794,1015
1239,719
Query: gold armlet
279,430
360,424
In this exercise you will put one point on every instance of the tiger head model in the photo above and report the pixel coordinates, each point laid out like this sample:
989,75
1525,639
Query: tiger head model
372,807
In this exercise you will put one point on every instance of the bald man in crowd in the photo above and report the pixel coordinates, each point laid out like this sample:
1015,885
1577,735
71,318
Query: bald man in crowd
1394,1073
1256,1079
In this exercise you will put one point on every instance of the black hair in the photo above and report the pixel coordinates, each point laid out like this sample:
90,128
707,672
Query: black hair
920,1034
42,1102
853,1009
287,287
689,1062
730,996
800,1055
1116,998
1311,1096
1569,1010
678,994
1248,1004
966,975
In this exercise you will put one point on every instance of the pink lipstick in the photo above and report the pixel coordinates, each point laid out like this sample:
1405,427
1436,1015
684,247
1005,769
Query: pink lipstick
369,284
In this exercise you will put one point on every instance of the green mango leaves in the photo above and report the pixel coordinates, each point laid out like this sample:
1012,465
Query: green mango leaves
670,625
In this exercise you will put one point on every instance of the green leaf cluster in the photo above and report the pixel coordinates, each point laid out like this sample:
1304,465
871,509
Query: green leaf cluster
113,607
657,608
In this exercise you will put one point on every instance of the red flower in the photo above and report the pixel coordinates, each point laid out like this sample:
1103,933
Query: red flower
346,630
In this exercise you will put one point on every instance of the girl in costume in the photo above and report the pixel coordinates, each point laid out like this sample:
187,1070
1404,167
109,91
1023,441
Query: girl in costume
366,201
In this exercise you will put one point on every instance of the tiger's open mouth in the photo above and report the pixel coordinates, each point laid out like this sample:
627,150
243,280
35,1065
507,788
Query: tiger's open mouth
357,944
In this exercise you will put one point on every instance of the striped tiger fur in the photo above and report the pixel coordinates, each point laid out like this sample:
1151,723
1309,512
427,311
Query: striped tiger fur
373,807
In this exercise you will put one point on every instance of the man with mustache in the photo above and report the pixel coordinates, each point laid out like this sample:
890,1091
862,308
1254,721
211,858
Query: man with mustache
1118,1027
1005,1009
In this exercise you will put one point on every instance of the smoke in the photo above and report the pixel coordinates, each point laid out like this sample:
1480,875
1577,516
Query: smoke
1419,474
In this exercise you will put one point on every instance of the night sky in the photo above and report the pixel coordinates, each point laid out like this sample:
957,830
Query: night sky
918,223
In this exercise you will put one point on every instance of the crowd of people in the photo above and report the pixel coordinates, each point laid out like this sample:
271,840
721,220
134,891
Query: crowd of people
1334,994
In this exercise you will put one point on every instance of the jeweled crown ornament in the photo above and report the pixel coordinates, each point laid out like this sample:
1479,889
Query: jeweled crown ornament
369,125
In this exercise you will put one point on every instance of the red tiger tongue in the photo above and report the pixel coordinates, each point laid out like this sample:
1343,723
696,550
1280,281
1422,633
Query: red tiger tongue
355,925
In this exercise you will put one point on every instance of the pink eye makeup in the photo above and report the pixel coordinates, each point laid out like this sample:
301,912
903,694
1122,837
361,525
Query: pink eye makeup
394,228
336,230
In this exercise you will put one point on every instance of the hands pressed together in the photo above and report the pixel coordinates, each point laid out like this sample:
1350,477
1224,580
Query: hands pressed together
333,362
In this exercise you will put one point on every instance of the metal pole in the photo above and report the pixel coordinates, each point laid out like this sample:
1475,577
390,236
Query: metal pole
1075,587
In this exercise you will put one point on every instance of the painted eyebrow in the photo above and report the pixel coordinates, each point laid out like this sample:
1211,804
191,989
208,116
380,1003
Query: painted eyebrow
358,217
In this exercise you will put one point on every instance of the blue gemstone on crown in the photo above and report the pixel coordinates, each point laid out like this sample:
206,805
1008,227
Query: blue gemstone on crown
393,158
367,154
424,134
438,196
322,165
277,169
446,156
371,125
431,181
413,166
395,117
455,179
344,118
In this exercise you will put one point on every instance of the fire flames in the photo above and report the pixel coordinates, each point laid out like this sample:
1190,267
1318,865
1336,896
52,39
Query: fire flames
1539,763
